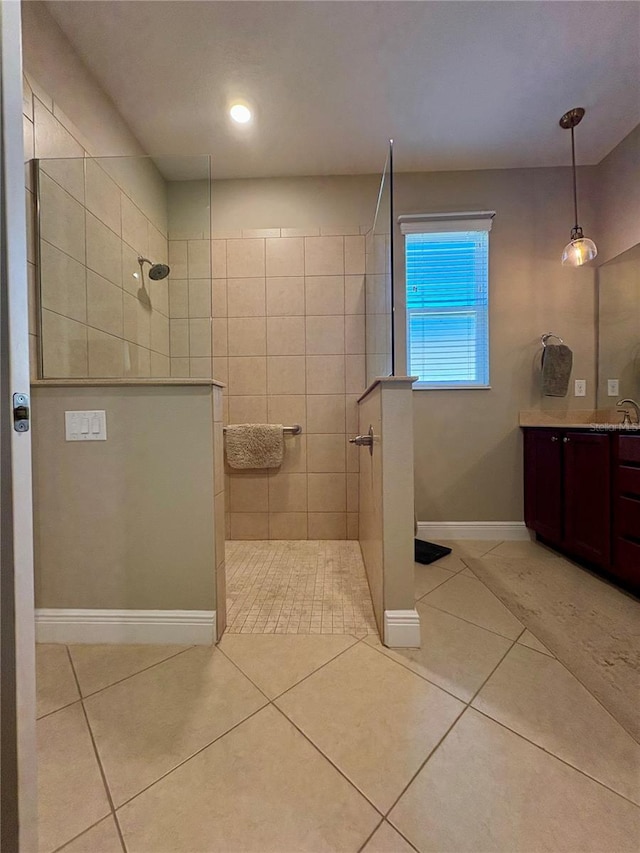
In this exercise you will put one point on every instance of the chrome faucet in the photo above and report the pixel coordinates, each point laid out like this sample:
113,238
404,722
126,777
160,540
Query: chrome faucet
626,421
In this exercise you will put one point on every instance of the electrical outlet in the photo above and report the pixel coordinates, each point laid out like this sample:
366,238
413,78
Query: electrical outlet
581,388
613,388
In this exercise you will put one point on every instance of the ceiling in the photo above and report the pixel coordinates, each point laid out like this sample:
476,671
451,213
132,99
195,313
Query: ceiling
458,85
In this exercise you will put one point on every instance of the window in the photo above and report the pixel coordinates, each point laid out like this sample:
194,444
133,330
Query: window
447,284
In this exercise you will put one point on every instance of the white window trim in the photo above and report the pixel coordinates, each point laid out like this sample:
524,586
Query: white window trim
432,223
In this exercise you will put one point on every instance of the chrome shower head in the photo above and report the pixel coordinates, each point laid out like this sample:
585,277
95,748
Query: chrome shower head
156,271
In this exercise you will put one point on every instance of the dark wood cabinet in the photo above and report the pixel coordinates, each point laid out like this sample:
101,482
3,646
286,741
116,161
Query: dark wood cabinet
543,482
587,499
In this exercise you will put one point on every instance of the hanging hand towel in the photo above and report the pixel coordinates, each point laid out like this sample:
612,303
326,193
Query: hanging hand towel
254,445
557,361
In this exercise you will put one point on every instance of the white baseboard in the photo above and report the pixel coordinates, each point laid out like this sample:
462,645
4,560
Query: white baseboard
181,627
511,530
402,629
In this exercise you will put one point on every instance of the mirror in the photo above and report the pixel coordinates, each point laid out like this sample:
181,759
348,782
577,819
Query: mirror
619,327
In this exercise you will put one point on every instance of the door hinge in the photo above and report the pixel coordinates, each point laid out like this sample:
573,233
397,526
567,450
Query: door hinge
21,412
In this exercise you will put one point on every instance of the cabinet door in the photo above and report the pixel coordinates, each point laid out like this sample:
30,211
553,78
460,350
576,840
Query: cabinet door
543,483
587,496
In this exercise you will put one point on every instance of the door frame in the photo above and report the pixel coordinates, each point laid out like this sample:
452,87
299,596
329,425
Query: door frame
18,771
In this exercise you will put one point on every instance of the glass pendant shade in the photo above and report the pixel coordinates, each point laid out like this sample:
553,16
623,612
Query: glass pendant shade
578,252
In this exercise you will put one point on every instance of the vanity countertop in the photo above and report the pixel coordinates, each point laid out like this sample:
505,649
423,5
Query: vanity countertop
598,420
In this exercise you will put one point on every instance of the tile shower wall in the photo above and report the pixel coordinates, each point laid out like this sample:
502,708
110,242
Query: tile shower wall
289,341
94,322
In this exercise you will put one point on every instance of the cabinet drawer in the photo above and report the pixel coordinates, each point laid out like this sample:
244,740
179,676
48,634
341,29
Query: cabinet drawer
628,480
629,448
628,517
626,562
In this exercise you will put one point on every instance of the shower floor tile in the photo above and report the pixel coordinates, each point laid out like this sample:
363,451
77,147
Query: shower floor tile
301,587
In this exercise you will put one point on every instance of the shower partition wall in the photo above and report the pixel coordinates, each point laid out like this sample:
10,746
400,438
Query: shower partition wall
379,281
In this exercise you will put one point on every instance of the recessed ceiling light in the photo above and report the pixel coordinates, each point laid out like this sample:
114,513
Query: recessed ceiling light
240,113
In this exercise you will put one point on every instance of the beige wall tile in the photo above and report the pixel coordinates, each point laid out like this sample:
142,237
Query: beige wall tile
131,281
221,373
180,367
286,374
353,455
104,305
248,410
245,258
247,376
106,355
248,492
246,297
135,231
64,345
287,409
295,452
178,259
158,245
219,258
32,298
325,374
325,453
34,358
247,336
199,297
326,413
354,255
353,490
285,256
285,296
104,251
327,492
354,334
200,368
220,337
219,297
287,492
351,404
327,525
159,295
199,258
159,333
288,525
354,291
325,335
51,138
137,321
178,298
353,525
63,283
61,219
324,255
137,360
200,338
355,374
179,338
102,196
249,525
299,232
68,173
285,336
30,213
27,98
260,232
324,294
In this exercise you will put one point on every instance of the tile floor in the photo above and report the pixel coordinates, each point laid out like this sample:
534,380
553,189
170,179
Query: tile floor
479,741
302,587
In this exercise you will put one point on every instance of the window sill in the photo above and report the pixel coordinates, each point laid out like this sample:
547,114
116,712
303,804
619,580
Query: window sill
422,386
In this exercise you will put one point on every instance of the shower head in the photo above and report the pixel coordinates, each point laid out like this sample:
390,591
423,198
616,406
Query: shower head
156,271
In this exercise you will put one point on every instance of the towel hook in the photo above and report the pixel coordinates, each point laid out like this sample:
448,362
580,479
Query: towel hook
544,338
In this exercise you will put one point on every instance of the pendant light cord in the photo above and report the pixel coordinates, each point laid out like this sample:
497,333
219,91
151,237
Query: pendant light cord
575,182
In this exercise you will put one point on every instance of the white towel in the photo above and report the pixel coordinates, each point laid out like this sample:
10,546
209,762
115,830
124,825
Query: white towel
254,445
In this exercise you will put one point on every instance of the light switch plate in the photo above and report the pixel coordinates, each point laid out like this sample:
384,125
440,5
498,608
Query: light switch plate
85,426
581,388
613,388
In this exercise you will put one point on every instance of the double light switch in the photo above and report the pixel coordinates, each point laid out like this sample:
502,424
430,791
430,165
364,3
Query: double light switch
85,426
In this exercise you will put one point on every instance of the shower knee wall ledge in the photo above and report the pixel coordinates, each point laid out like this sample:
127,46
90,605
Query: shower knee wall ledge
155,627
503,530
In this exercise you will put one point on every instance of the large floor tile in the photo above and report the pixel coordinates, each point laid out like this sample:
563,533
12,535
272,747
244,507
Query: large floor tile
261,788
537,697
146,725
101,838
71,794
427,578
470,599
55,683
525,549
277,662
373,718
386,840
528,639
486,789
462,548
99,666
453,654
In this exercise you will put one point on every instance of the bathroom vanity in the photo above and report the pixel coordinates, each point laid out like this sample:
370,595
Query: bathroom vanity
582,495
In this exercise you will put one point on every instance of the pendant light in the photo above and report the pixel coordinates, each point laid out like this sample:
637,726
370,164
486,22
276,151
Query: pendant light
579,249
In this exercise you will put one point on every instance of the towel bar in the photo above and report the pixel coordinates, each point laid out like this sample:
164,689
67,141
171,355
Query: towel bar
296,429
544,338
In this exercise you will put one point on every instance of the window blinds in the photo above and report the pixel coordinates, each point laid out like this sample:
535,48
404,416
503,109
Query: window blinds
447,278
